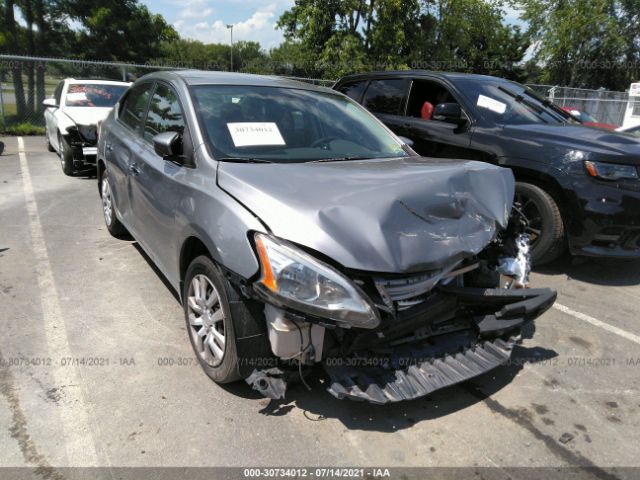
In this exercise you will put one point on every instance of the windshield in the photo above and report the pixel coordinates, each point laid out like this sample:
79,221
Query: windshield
93,95
274,124
507,102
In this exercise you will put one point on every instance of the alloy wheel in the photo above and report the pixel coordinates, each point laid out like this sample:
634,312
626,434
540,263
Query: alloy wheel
107,203
206,320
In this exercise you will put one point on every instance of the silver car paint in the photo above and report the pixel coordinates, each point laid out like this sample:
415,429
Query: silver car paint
385,216
391,215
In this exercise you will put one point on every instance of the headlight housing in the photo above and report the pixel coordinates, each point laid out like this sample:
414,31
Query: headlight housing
611,171
294,279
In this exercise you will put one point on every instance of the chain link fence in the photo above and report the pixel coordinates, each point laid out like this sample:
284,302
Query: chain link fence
605,106
26,81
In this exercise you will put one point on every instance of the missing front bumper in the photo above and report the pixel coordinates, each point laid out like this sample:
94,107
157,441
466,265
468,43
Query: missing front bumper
381,385
413,370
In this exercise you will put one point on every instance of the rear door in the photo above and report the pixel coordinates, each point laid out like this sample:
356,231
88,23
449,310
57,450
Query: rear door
386,99
155,191
122,144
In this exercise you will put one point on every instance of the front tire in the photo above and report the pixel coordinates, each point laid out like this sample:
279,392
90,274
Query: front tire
108,208
546,228
49,146
66,156
206,297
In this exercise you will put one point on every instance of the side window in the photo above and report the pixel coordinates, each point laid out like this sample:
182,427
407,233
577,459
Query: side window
164,113
135,104
385,96
429,93
353,90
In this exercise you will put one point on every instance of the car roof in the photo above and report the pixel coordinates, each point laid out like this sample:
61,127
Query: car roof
419,73
202,77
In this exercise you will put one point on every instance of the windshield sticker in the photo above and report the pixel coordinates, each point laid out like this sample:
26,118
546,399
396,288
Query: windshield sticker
491,104
250,134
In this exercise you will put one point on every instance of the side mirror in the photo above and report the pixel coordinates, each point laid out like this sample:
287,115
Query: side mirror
50,103
450,113
406,141
167,145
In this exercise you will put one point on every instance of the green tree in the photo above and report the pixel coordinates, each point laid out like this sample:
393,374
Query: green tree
121,30
584,43
343,37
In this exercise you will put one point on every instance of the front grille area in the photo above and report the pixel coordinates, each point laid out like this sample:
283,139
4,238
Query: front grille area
401,293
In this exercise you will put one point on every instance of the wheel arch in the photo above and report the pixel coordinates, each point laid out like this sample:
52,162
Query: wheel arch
192,247
549,184
101,166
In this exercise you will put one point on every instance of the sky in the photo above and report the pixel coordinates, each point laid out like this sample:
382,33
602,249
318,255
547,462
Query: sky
206,20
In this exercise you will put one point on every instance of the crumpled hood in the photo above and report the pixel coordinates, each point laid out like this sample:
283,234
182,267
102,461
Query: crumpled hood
87,115
387,216
607,145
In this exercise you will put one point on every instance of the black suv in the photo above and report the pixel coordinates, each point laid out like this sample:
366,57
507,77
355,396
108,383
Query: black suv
578,186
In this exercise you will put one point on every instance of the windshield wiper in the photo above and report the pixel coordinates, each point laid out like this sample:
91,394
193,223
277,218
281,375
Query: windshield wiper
340,159
243,160
521,99
549,104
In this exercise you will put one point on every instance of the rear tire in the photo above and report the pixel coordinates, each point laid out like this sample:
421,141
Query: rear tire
546,225
206,295
66,156
109,209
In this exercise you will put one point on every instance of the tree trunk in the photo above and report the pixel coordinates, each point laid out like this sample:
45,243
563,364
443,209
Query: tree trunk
42,51
28,7
367,29
16,70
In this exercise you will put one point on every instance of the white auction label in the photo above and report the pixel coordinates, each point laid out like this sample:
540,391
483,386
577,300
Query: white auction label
248,134
492,104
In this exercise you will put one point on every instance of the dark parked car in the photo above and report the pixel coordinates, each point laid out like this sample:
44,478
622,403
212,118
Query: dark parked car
576,185
298,229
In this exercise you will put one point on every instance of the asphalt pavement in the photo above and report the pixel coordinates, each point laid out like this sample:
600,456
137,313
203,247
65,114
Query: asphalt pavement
96,369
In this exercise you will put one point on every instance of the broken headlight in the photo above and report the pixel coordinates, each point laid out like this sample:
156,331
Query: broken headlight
294,279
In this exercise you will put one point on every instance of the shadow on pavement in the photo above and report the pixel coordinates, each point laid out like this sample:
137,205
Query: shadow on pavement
319,405
598,271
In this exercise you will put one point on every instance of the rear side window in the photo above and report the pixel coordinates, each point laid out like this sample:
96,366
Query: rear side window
385,96
164,114
135,104
353,90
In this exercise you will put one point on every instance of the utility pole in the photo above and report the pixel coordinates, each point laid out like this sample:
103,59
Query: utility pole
230,27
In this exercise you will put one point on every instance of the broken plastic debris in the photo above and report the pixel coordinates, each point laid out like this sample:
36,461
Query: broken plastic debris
268,382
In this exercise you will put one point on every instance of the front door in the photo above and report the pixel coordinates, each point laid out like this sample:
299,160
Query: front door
434,138
156,182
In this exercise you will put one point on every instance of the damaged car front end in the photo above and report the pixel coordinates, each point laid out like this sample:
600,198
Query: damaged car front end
390,338
397,290
300,232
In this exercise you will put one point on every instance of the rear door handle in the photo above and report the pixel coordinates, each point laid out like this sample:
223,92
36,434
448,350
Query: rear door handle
133,168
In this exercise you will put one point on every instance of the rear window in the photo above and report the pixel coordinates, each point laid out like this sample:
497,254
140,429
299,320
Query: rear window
385,96
353,90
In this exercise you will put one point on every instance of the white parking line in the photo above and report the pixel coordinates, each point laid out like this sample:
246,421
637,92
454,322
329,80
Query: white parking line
76,434
598,323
